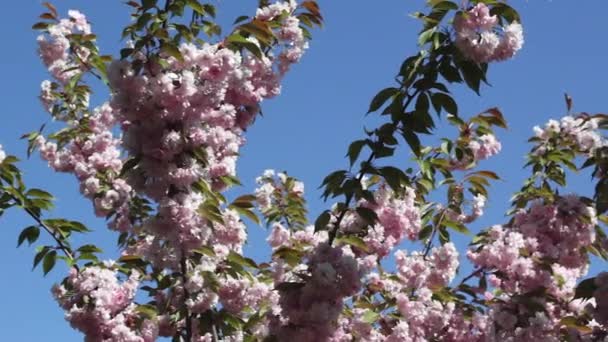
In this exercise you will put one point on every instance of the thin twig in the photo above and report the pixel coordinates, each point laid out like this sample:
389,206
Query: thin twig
214,331
86,65
65,249
429,243
473,274
184,267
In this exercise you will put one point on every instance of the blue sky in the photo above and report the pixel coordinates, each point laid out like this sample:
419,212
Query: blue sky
307,129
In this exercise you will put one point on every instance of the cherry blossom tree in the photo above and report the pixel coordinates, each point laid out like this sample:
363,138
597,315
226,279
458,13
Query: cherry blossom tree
157,158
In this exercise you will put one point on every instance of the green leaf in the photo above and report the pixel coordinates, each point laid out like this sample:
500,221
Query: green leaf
291,256
420,121
147,4
444,235
41,252
209,9
444,295
242,42
244,201
148,311
129,258
322,221
412,140
380,98
370,317
30,234
354,241
585,289
487,174
196,6
41,26
394,177
425,36
49,261
240,19
422,103
258,29
126,52
205,250
425,232
367,214
39,194
472,74
457,226
241,260
247,213
130,164
89,249
355,149
211,212
445,5
171,50
574,323
446,102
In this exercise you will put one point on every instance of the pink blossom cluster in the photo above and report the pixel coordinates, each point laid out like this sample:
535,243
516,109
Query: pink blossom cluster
54,48
398,219
419,316
542,249
310,310
93,155
417,319
200,105
238,336
477,205
482,40
578,132
279,237
185,122
303,241
100,306
272,189
95,159
545,234
485,146
538,318
422,317
435,271
290,34
46,95
481,147
276,9
313,291
242,295
515,322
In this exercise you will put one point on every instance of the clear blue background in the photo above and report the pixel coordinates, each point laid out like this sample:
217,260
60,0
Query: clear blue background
307,129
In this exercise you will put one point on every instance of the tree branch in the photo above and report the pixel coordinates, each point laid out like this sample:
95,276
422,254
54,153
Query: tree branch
62,246
184,267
